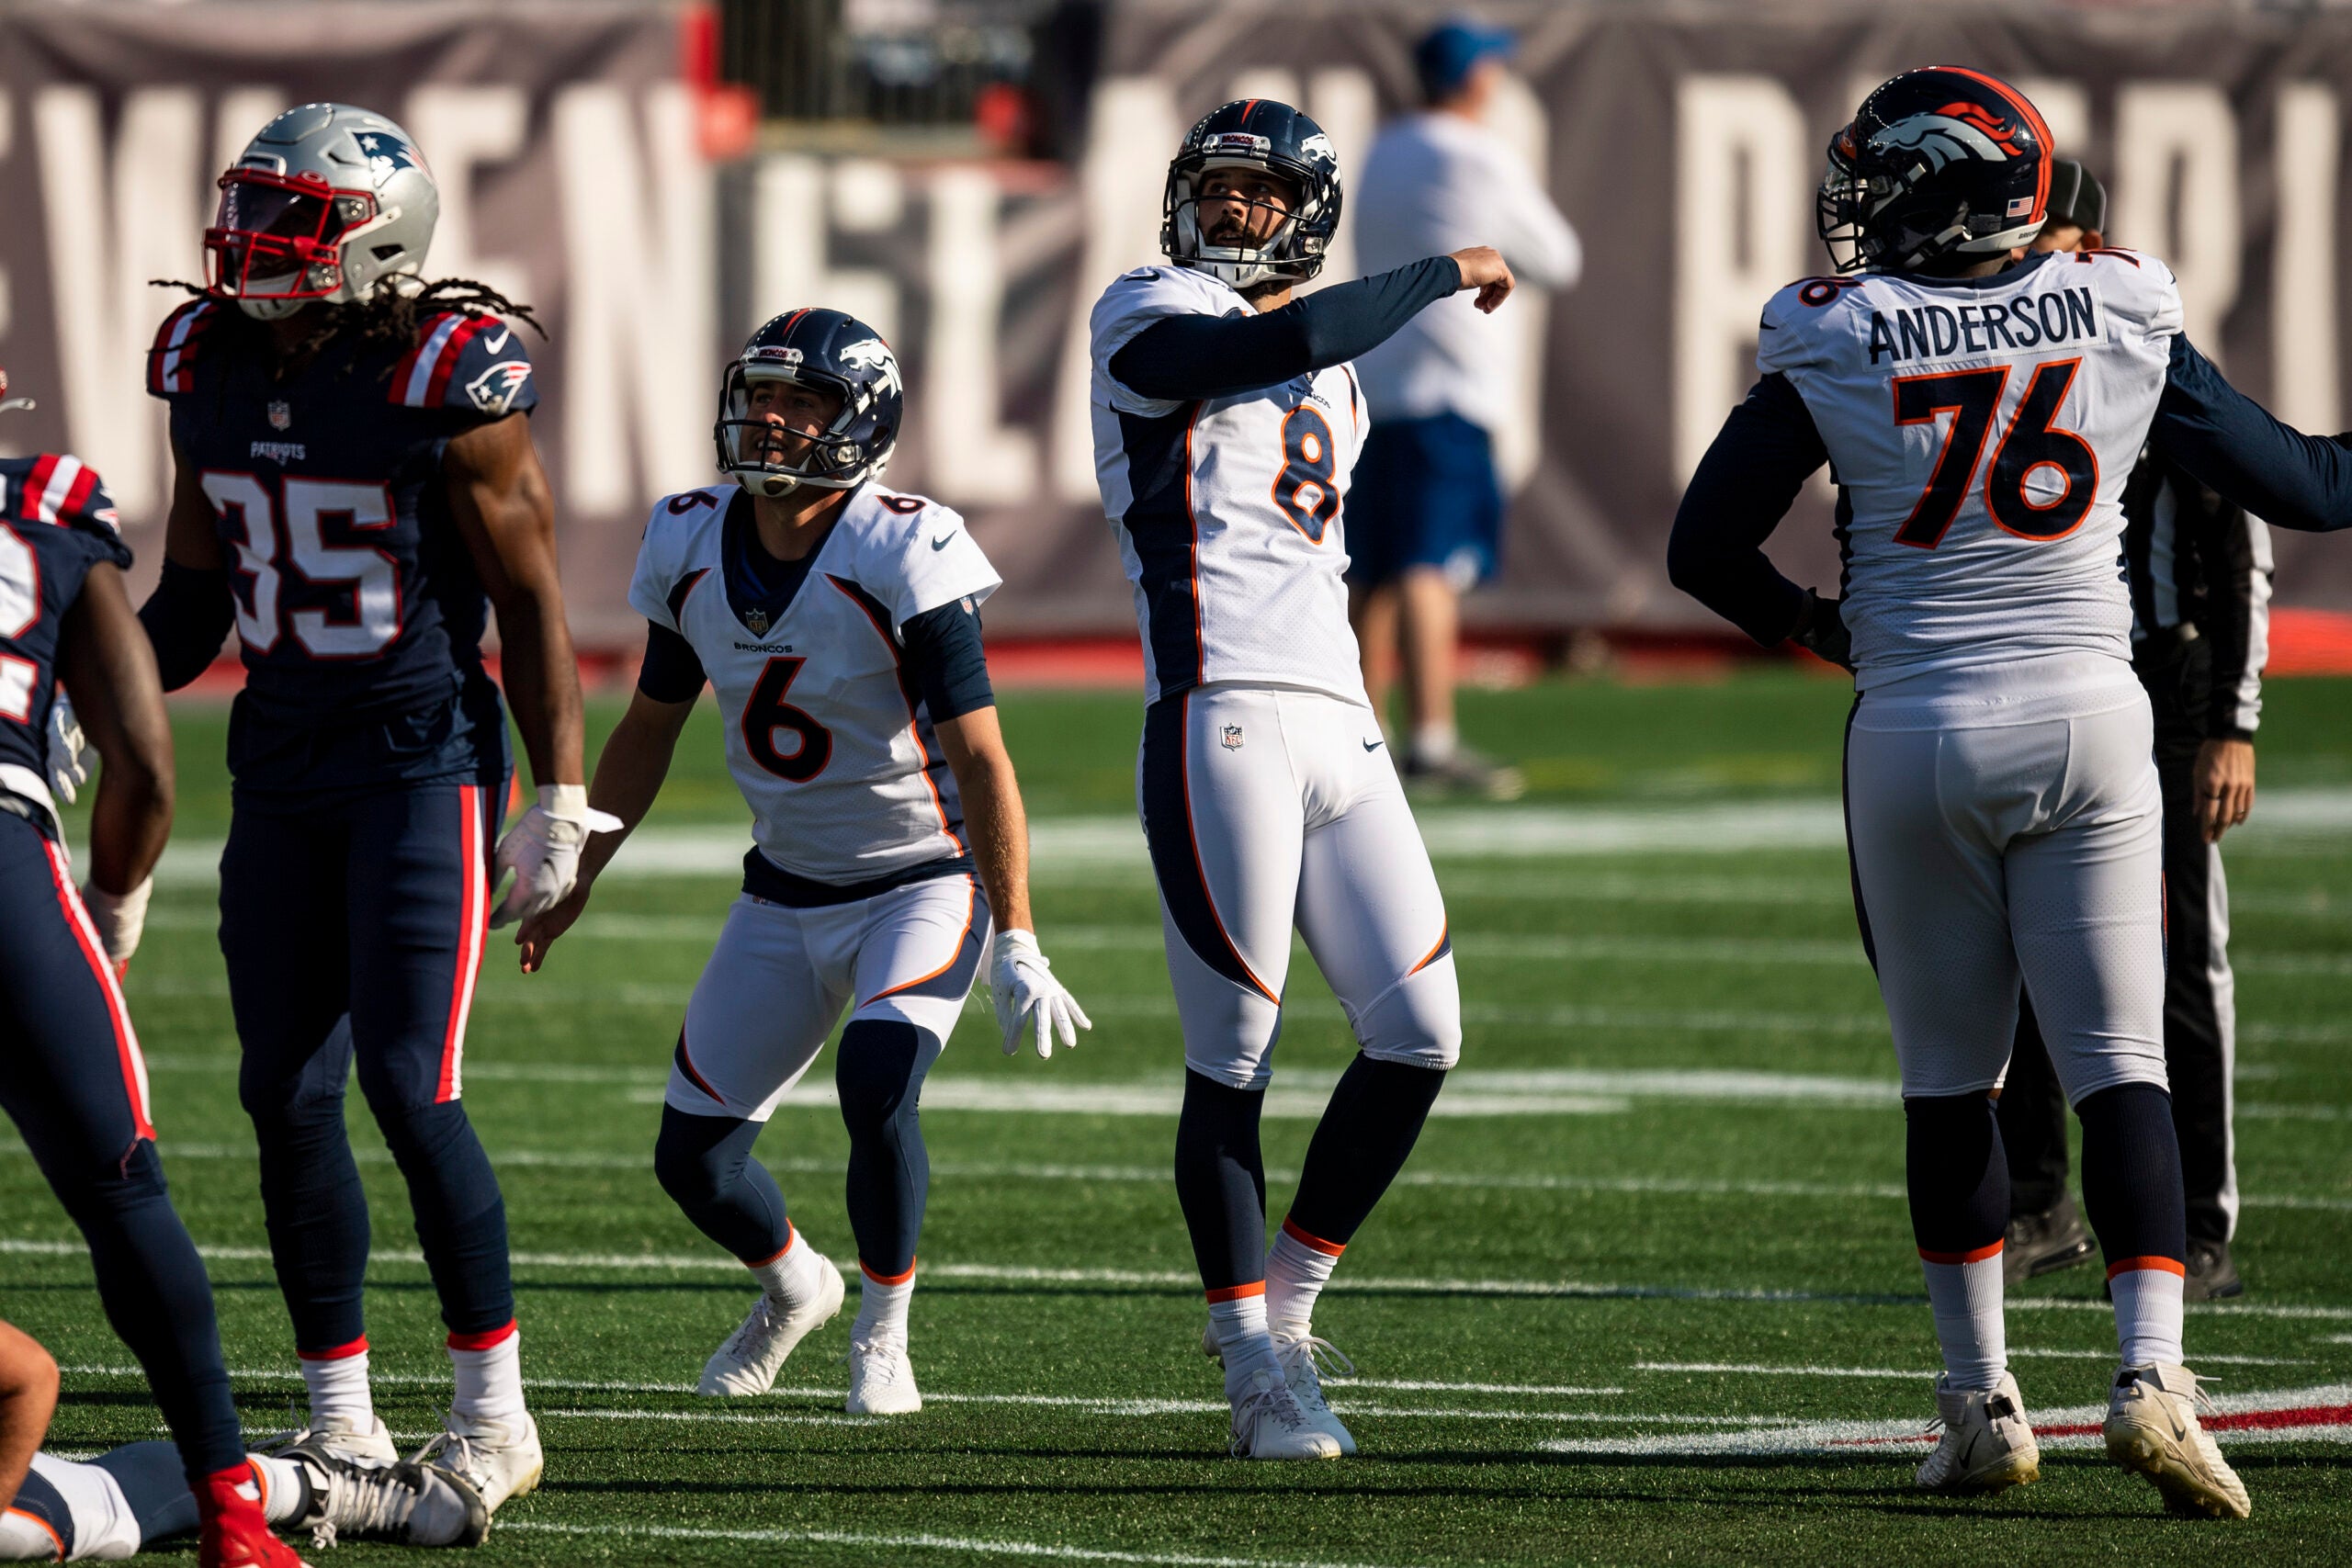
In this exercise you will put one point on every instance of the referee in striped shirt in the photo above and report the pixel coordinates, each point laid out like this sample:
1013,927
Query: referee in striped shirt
2200,573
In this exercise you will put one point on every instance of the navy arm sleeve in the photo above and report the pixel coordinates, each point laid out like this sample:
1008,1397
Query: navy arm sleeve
2232,443
1182,358
943,655
1744,485
187,618
672,670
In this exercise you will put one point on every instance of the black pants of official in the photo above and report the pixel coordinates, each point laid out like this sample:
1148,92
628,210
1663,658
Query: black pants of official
2199,1000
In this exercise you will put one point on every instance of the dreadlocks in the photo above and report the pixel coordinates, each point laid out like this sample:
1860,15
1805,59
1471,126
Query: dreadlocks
385,319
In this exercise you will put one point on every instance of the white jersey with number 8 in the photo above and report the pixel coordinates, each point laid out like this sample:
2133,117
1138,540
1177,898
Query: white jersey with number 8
1981,431
1229,510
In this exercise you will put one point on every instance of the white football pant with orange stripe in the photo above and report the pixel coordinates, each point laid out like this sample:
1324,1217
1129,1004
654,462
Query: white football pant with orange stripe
1272,806
780,976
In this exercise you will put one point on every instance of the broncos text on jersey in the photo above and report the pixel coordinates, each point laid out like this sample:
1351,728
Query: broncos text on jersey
355,594
56,523
826,735
1980,431
1229,511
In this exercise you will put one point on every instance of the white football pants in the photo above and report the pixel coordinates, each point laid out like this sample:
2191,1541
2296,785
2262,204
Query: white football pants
1268,806
2034,850
778,979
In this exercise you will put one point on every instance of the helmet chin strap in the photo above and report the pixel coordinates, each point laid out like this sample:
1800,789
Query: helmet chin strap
269,310
775,487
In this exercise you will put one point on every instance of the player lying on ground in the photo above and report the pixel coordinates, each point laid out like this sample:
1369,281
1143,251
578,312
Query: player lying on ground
1982,411
1226,424
71,1076
356,486
838,623
129,1498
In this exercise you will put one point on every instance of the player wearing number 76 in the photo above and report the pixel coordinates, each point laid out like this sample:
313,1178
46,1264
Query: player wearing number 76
838,623
1981,410
1226,423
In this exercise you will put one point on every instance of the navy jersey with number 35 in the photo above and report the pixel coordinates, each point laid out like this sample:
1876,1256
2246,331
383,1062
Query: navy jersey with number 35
355,599
56,523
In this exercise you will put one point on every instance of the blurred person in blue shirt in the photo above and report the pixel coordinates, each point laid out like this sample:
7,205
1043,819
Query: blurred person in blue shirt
1425,515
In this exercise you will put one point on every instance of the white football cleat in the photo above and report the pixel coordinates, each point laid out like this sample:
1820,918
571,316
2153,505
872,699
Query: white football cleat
497,1459
881,1378
411,1505
1987,1444
2151,1428
366,1446
1269,1424
1300,1358
748,1363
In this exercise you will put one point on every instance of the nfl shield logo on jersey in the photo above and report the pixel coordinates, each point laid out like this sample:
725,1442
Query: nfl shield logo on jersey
758,620
281,416
1231,740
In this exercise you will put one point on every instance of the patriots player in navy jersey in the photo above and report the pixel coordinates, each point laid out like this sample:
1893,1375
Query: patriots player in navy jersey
355,487
71,1076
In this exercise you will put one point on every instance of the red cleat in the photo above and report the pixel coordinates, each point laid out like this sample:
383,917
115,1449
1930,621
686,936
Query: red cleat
236,1532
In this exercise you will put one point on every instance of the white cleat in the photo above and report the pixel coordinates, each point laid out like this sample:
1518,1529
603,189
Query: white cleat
1300,1369
323,1441
881,1379
411,1505
1987,1444
497,1459
1269,1424
748,1363
2151,1428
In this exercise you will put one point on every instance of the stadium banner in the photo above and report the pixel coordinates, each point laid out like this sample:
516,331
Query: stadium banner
1684,143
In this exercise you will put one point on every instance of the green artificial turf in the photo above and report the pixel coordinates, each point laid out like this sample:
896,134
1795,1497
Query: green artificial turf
1577,1261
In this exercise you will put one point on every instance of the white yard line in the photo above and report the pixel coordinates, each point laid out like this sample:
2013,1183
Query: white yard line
873,1541
1782,1370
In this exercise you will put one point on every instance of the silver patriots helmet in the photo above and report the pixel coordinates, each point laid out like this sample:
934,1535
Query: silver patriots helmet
325,204
1255,133
830,351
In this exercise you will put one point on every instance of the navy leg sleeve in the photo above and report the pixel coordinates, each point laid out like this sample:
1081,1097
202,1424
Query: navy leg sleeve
1958,1175
879,1073
72,1081
149,1475
705,1164
1221,1181
2131,1182
418,874
1370,1125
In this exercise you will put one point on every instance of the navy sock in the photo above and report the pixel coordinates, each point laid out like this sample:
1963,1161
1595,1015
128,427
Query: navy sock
1367,1130
705,1164
460,1217
1221,1181
317,1216
1957,1173
2131,1182
878,1074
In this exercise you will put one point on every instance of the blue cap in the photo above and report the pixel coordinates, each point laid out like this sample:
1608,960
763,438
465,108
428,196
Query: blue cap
1445,58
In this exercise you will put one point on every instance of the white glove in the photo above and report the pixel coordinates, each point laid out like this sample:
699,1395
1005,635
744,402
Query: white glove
1021,983
119,918
66,753
543,851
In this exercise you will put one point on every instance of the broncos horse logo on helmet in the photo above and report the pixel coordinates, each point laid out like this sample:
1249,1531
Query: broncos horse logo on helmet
1254,133
1938,162
830,351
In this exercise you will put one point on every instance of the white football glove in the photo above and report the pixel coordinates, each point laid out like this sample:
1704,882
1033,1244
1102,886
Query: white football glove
119,918
66,753
1021,983
543,851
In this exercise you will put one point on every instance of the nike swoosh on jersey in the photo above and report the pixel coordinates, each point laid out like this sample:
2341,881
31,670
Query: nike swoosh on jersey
497,344
1373,745
940,542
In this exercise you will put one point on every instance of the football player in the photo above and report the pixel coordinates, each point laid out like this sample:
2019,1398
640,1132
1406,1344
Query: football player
1226,423
355,484
838,622
1982,410
129,1498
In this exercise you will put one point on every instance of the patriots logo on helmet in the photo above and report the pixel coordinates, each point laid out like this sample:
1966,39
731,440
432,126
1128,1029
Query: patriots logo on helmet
872,353
495,390
387,154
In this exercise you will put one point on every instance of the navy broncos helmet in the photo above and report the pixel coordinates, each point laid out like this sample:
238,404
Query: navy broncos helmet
834,353
1936,163
1256,133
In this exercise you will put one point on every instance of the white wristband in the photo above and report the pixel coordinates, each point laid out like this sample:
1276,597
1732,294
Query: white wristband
120,918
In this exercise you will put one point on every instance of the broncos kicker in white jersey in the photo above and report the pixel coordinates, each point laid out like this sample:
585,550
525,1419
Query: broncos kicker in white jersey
1226,424
838,621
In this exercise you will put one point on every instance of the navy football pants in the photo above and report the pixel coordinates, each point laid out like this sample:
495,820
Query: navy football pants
72,1081
353,932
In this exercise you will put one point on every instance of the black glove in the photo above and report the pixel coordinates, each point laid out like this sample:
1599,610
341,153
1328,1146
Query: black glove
1821,628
